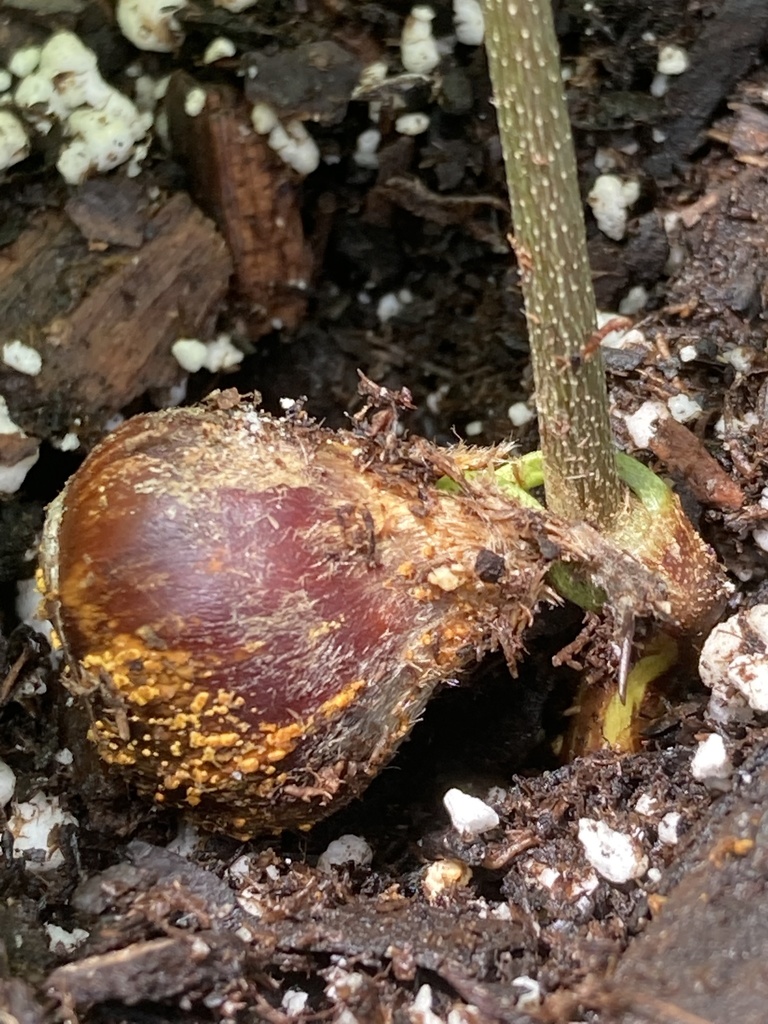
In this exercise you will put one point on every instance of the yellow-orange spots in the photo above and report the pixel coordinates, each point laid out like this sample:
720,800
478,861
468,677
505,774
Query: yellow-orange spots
342,699
250,647
122,758
225,698
460,631
143,695
199,702
178,723
323,629
219,741
175,780
246,765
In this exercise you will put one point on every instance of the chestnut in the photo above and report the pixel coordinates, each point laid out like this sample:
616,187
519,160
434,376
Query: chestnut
256,610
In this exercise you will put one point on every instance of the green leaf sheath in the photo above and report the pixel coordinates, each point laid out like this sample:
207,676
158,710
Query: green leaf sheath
550,243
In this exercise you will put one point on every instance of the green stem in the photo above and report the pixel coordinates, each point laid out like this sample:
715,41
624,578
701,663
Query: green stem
582,481
620,717
519,476
690,587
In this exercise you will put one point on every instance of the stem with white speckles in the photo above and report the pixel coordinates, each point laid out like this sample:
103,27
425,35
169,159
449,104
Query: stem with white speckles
550,243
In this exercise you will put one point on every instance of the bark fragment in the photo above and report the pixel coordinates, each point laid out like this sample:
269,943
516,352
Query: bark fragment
103,322
253,197
684,454
155,970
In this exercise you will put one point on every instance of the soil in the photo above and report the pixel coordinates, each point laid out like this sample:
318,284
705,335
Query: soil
132,913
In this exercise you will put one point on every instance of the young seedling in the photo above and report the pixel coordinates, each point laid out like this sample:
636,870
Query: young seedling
549,241
583,480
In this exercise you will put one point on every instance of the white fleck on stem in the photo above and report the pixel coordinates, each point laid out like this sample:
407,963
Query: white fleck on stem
550,244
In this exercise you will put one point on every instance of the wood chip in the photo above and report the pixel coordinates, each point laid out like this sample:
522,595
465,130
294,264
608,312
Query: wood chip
254,198
103,323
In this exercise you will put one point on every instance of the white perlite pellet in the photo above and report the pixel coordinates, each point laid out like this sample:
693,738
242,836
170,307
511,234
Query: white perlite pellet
347,849
711,760
610,199
616,856
469,815
734,660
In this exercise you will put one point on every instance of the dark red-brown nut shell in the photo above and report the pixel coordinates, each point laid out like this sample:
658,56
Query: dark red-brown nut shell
257,610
